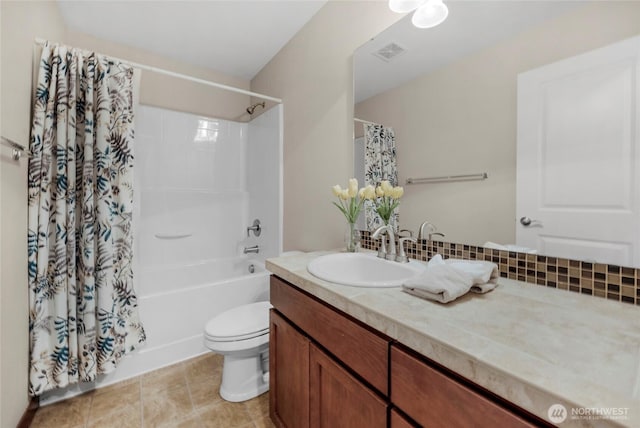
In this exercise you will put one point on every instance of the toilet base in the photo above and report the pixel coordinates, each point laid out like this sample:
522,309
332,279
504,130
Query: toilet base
244,378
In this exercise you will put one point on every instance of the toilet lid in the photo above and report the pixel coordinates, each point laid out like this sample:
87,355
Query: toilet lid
242,322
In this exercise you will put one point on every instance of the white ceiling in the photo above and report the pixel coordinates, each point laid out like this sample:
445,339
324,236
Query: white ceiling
470,26
236,37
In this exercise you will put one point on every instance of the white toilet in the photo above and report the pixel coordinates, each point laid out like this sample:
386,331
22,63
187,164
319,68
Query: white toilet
241,334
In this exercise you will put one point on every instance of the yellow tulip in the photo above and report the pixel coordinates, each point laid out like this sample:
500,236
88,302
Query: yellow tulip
386,188
353,187
337,190
379,192
397,192
369,192
344,194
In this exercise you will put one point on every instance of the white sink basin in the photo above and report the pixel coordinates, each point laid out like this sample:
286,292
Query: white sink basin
363,270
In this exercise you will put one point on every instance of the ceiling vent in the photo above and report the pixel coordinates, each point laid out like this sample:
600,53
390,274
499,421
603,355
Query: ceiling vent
389,52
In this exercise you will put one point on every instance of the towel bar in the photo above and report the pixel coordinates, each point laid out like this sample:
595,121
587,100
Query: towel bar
18,149
448,178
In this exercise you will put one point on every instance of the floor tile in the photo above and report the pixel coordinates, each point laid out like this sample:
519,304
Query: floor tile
184,395
263,422
167,407
258,407
160,380
226,415
125,416
207,366
204,393
69,413
114,397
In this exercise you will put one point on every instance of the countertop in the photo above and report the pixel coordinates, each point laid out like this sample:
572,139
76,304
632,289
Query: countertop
529,344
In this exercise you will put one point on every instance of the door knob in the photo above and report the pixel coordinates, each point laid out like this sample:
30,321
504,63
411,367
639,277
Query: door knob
525,221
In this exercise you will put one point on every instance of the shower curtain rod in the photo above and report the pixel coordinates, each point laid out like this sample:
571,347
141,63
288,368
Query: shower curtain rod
41,42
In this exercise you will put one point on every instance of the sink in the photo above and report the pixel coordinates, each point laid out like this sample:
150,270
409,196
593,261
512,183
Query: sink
363,270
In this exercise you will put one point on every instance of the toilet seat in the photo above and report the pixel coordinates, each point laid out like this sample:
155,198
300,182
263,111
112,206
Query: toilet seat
241,323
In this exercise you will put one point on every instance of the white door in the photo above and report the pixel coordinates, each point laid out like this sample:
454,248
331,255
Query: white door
578,156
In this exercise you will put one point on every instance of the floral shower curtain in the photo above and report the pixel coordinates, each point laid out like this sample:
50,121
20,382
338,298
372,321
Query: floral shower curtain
83,309
379,164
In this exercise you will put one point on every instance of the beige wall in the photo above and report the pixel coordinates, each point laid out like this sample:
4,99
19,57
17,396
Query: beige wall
462,119
169,92
21,22
313,76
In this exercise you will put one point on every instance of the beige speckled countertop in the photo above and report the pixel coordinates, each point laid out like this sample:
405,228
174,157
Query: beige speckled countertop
531,345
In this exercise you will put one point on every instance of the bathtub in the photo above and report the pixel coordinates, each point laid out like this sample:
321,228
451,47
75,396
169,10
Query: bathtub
174,303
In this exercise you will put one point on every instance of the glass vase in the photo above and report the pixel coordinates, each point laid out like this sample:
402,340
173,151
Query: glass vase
352,238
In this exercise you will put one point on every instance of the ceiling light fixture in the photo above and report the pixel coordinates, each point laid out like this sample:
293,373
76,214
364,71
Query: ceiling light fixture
429,13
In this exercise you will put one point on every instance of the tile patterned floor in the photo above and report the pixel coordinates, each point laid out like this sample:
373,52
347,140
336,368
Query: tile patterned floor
184,395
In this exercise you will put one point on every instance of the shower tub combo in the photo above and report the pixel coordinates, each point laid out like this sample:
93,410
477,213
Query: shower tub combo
200,183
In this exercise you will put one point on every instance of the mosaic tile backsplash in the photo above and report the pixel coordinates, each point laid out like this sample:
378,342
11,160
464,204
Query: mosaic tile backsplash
596,279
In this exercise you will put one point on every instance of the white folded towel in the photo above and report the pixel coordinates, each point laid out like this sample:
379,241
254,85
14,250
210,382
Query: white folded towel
442,283
494,246
509,247
482,272
446,280
483,288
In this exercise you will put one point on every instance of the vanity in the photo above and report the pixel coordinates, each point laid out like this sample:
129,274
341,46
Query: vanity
344,356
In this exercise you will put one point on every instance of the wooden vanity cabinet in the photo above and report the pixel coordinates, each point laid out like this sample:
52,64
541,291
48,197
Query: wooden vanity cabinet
324,367
330,370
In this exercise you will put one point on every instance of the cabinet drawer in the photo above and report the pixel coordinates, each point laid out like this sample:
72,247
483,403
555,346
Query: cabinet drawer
360,349
434,399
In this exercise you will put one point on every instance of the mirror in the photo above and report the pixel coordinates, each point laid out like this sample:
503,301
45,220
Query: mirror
450,94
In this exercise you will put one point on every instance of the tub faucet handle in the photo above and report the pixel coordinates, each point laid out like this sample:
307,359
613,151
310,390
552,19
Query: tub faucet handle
255,227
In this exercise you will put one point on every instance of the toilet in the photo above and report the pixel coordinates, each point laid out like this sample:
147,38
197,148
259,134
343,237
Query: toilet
241,335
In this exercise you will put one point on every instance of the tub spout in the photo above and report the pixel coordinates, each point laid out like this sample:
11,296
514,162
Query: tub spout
255,249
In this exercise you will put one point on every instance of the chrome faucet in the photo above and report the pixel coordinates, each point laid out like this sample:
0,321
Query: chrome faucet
379,234
421,230
431,231
402,256
435,233
383,253
391,254
404,232
255,249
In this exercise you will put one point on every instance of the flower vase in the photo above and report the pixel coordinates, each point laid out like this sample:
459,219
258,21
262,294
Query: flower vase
352,238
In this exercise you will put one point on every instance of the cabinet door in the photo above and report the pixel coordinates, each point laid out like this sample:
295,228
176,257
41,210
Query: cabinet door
338,400
289,375
357,347
399,421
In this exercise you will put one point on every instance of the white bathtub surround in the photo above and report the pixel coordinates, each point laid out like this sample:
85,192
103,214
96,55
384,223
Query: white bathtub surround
200,183
531,345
